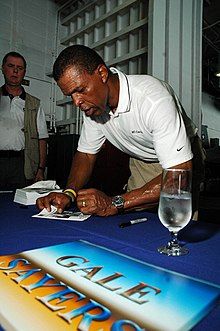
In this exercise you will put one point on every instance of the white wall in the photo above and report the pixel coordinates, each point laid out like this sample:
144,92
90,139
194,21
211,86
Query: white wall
28,27
175,49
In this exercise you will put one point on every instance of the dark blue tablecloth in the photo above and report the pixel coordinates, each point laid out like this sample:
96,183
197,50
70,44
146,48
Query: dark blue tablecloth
20,232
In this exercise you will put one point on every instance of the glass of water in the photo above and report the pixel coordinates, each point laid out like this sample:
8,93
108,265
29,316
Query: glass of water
175,207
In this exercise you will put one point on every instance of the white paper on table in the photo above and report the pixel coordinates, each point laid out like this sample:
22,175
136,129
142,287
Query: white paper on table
47,184
65,216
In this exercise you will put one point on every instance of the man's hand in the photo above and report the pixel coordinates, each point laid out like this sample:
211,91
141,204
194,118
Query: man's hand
39,175
60,200
95,202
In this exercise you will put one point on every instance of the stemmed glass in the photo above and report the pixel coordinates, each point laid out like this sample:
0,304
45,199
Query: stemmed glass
175,207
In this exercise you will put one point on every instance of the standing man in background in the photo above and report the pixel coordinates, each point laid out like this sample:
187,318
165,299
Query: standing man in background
23,129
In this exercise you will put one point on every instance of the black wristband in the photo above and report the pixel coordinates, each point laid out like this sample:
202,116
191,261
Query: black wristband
41,168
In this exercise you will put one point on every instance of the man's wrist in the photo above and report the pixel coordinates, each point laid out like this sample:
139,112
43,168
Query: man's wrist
118,202
41,168
71,193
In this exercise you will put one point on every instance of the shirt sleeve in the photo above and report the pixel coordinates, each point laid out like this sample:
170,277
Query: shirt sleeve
170,139
91,137
41,124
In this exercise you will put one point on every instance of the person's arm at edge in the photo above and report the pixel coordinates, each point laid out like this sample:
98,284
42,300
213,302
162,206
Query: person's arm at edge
42,159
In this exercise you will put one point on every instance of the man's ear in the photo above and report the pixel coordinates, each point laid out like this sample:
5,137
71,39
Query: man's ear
103,72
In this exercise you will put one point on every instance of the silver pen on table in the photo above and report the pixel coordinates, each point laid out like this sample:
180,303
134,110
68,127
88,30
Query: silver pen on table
131,222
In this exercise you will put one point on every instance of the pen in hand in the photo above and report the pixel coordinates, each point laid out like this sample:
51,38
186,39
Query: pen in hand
131,222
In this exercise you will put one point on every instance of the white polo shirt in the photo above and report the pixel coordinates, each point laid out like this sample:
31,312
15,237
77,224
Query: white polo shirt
12,123
148,123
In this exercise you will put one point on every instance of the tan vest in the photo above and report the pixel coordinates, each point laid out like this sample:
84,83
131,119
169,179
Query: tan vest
31,151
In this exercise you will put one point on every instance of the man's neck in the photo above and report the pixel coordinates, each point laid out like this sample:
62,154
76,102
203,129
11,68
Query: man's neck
114,92
14,90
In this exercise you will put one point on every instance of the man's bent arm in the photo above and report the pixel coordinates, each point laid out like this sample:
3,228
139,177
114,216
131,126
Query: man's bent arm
148,195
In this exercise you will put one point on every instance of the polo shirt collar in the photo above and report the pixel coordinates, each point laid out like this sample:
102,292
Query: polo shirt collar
124,92
5,93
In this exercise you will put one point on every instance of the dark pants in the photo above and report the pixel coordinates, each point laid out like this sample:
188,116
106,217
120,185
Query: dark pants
12,170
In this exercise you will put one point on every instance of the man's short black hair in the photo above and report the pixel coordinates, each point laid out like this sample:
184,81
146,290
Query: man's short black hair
14,54
83,57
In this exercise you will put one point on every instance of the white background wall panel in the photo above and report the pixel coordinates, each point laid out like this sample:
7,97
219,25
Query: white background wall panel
173,53
29,27
175,49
